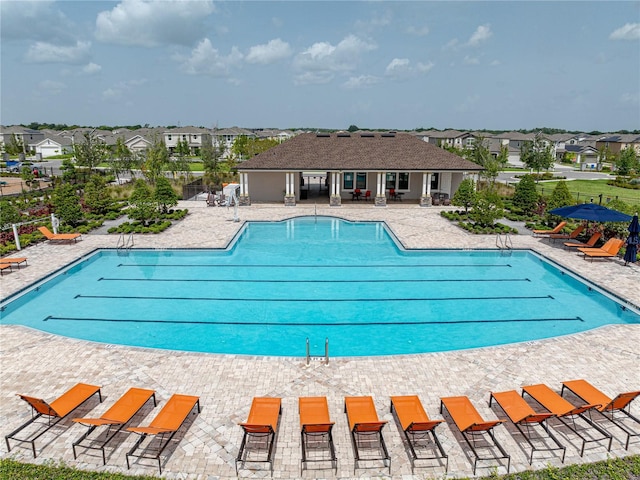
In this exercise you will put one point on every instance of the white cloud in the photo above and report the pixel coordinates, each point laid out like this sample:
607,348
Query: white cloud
42,52
425,67
325,60
269,53
313,78
35,20
51,87
451,44
495,63
360,82
418,31
482,33
91,68
149,23
207,60
629,31
402,68
467,60
377,21
398,66
121,89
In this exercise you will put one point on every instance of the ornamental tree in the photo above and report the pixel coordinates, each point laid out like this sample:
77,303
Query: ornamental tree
560,197
66,203
164,194
526,196
465,196
142,206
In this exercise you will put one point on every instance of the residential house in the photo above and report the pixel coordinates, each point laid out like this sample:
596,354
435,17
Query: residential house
617,143
53,145
26,137
196,138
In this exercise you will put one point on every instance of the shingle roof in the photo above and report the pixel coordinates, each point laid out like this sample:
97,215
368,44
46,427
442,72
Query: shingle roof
362,152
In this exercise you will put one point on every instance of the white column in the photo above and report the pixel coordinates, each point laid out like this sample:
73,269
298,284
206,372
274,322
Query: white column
378,184
286,183
292,179
242,184
384,184
428,184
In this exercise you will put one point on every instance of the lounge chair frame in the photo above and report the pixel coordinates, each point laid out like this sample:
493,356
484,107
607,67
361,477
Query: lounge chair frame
416,432
164,440
529,422
471,433
569,419
621,404
40,408
13,261
315,436
262,433
366,434
112,430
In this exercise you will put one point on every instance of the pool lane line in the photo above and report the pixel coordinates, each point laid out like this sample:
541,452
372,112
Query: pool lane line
311,324
228,299
234,280
259,265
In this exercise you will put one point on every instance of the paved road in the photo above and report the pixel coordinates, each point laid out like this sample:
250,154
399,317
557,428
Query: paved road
561,170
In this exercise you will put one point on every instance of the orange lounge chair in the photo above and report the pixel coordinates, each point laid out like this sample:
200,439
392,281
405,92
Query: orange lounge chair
315,429
471,425
567,236
58,237
522,415
366,430
17,261
589,244
114,419
562,409
164,426
621,404
609,249
54,411
557,229
262,424
416,426
5,266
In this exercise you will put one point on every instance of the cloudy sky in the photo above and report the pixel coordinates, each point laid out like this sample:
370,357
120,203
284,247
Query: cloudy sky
395,65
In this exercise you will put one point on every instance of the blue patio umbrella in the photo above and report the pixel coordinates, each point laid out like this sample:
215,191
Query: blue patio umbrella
632,241
591,211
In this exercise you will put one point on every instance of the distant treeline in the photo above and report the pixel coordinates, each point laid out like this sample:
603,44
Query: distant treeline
352,128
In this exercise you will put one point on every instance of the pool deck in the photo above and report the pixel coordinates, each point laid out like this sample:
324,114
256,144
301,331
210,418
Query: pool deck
45,365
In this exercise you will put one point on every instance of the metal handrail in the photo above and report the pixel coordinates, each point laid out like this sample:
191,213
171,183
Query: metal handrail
326,352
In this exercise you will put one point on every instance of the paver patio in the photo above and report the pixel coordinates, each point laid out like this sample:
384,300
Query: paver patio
41,364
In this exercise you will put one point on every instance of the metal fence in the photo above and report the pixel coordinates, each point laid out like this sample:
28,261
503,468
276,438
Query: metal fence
601,199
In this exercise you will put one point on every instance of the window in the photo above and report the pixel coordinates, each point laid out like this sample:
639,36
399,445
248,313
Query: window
347,181
353,180
391,180
403,181
398,181
435,177
169,137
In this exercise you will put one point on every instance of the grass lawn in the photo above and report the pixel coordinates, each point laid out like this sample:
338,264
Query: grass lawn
592,188
626,468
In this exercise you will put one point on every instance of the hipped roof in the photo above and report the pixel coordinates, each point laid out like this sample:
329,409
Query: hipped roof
358,152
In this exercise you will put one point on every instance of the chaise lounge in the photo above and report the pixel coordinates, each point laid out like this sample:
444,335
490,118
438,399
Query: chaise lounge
564,410
58,237
55,411
366,431
17,261
163,427
609,249
588,244
315,430
471,426
417,426
607,406
260,430
567,236
557,229
523,416
114,419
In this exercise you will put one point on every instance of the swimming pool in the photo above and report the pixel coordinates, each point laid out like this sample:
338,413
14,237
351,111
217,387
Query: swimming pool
283,282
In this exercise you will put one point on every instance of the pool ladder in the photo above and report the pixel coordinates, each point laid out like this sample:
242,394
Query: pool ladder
124,242
326,352
503,242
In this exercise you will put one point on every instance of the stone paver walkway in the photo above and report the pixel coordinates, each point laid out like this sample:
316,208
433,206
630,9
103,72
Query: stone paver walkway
41,364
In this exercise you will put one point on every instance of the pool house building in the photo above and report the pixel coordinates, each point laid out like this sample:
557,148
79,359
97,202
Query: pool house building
376,167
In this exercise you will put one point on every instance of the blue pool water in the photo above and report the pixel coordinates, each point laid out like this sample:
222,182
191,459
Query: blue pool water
283,282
